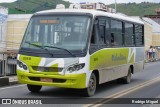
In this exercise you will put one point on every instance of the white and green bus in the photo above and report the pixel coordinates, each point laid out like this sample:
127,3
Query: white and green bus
79,48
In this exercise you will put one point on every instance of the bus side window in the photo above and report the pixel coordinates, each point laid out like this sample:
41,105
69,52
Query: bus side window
139,39
93,36
102,34
107,32
101,28
112,39
116,32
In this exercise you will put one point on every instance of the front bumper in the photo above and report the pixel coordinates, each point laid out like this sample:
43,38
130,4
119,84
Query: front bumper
66,81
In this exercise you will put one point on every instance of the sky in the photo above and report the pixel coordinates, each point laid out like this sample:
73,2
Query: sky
113,1
1,1
103,1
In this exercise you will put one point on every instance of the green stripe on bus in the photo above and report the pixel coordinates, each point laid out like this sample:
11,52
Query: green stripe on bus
109,57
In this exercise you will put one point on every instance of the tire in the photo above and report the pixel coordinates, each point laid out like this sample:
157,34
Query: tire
90,90
34,88
127,79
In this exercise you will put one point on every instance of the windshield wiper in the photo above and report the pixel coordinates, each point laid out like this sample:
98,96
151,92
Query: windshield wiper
42,47
61,49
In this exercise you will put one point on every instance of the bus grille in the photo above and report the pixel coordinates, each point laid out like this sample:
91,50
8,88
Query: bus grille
53,79
47,69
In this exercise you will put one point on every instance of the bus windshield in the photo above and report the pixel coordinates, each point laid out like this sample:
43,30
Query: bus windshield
62,32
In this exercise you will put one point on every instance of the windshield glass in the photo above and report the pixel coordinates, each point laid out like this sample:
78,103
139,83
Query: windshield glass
66,32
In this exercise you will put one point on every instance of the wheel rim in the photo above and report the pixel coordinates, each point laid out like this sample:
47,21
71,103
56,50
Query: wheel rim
92,85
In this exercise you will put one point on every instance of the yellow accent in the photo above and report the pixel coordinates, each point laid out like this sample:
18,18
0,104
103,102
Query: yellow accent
30,60
108,58
72,80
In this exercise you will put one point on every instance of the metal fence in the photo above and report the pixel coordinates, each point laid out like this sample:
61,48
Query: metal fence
7,65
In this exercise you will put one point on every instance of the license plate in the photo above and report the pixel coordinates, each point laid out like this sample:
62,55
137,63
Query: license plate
46,80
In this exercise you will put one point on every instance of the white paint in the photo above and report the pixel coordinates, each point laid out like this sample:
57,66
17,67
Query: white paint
59,61
42,62
93,12
12,87
131,54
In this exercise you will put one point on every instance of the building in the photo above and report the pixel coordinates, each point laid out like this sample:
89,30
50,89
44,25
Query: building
12,31
16,26
148,32
3,25
155,32
156,18
97,6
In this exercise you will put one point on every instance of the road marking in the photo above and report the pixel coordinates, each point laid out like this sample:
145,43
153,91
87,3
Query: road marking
11,87
122,93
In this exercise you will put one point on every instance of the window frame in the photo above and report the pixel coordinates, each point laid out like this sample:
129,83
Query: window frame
100,46
122,45
139,45
132,37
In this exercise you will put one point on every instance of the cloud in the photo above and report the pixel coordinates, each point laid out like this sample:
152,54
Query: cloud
7,1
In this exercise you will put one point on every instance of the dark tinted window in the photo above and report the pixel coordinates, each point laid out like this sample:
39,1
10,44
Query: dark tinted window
116,33
129,34
139,35
102,31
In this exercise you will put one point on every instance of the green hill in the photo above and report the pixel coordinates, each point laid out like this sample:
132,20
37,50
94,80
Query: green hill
31,6
141,9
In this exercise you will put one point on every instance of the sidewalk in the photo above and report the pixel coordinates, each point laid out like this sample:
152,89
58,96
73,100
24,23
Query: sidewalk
8,80
147,61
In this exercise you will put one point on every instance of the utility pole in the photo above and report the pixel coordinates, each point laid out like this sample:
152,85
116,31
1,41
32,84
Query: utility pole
115,6
18,4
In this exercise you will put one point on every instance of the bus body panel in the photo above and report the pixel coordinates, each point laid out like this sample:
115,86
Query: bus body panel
53,68
70,80
113,63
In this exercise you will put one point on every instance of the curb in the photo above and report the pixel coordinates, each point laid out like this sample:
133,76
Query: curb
8,81
13,83
4,81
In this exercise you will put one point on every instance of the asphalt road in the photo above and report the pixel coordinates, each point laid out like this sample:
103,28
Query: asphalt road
145,84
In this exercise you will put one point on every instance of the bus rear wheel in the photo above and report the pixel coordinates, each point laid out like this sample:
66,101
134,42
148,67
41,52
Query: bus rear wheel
127,79
34,88
90,90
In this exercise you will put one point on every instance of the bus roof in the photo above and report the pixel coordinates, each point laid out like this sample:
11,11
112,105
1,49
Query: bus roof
93,12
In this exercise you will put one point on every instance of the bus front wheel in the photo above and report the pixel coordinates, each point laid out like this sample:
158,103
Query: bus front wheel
90,90
34,88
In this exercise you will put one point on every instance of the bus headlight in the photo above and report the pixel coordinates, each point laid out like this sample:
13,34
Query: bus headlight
76,67
21,65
